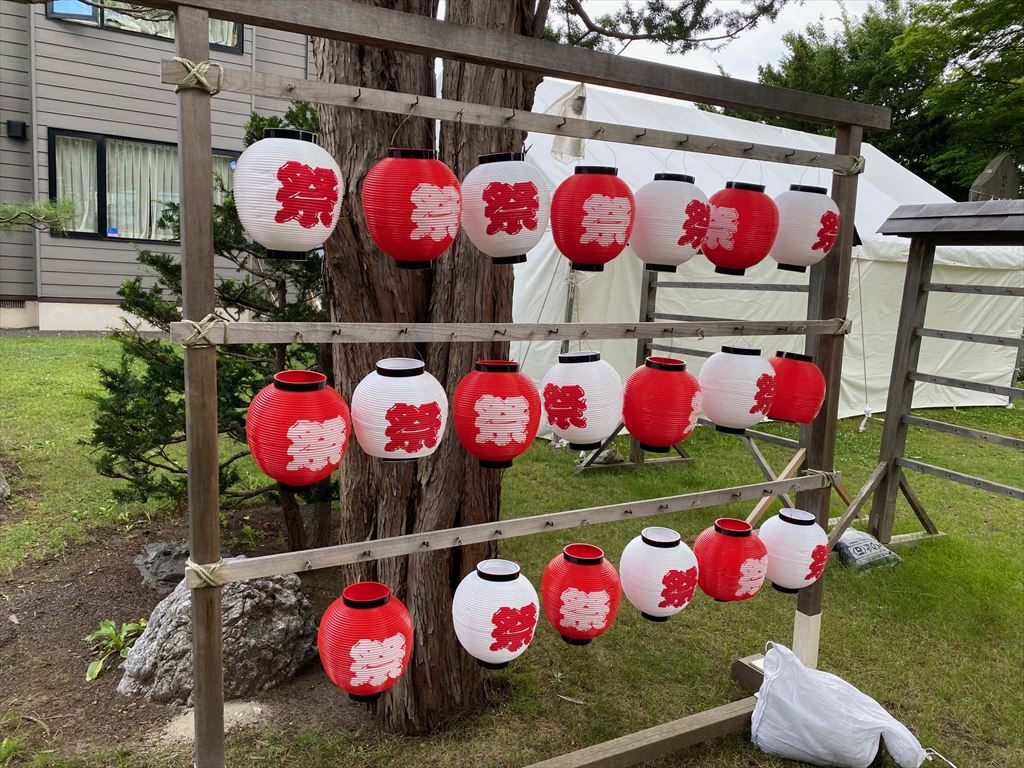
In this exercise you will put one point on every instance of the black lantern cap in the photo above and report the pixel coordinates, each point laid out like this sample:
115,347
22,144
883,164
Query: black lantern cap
673,177
665,364
291,133
789,518
805,188
579,357
410,367
496,366
744,185
412,154
730,527
583,554
795,356
611,171
741,351
500,157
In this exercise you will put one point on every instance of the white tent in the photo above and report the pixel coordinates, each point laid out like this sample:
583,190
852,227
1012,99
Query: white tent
544,282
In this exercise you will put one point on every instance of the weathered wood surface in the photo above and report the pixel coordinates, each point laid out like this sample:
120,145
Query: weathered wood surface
992,222
984,290
916,505
791,288
748,672
788,471
946,381
909,539
964,479
648,302
674,350
766,468
955,429
847,518
978,338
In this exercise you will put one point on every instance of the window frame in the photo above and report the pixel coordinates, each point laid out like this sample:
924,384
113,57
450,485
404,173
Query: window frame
101,179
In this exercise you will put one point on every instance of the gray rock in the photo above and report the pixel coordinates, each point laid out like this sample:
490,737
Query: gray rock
162,565
269,634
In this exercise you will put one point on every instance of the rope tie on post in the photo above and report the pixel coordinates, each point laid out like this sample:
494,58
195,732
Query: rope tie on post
205,574
196,76
854,170
829,474
845,328
200,336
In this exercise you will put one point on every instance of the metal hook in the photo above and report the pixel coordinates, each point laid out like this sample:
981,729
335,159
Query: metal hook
291,86
512,116
298,337
549,524
641,135
700,334
684,139
748,148
359,93
561,124
552,330
599,131
403,332
501,331
459,116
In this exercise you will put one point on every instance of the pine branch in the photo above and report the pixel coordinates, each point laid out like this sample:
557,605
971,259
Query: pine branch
42,214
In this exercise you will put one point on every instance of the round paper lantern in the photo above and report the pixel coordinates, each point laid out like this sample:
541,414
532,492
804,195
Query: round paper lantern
287,191
799,388
582,399
495,611
661,404
365,640
496,410
732,560
797,549
412,205
659,573
297,428
581,593
399,411
671,222
808,227
592,217
505,206
741,229
737,386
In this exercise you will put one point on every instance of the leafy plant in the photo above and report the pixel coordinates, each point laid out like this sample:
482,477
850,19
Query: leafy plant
108,640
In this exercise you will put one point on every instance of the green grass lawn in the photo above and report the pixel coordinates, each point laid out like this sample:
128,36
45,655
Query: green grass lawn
937,639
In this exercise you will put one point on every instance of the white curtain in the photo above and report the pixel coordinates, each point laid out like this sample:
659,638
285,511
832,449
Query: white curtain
75,167
140,179
224,169
223,33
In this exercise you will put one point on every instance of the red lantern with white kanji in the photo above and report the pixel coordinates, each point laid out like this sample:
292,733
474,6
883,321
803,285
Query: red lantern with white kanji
496,410
582,399
495,611
365,640
287,191
505,206
592,217
741,229
658,573
737,387
399,411
297,428
731,559
581,593
799,388
808,227
412,205
671,222
797,549
662,403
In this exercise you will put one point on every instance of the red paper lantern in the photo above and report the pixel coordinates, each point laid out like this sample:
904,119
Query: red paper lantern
365,640
592,217
662,403
581,593
496,411
808,227
671,222
297,428
799,388
742,229
412,206
732,560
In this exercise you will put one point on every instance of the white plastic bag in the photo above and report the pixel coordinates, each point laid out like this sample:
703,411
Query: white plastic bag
804,714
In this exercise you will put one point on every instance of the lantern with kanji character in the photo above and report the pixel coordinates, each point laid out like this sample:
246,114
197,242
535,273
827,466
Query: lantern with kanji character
732,561
671,222
399,411
505,206
799,388
661,404
496,410
412,205
741,228
495,611
297,428
287,191
797,549
592,217
582,399
581,593
808,227
658,573
365,640
737,386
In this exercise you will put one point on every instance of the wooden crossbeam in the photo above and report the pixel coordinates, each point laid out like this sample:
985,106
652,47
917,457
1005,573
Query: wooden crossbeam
984,290
956,429
959,477
792,288
978,338
946,381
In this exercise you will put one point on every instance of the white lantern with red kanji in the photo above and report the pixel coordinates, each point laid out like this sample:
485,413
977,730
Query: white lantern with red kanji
582,397
671,222
505,206
495,611
399,411
658,573
797,549
287,191
808,227
737,386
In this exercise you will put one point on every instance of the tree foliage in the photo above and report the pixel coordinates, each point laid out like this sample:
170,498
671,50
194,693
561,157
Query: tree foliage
38,214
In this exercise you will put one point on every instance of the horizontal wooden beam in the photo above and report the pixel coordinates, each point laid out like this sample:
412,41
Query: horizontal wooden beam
373,100
985,290
359,333
671,348
955,429
764,437
748,672
946,381
908,539
429,541
979,338
854,508
959,477
788,287
685,318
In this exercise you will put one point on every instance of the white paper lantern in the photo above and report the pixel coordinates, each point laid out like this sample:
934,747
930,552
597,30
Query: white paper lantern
797,549
288,192
495,611
582,397
505,206
808,227
658,573
671,221
737,386
399,411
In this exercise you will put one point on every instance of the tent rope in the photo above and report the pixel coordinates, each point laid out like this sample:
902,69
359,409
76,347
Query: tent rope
196,75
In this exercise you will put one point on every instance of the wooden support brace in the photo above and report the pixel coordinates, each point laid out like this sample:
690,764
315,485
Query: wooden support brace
855,504
765,467
788,471
916,505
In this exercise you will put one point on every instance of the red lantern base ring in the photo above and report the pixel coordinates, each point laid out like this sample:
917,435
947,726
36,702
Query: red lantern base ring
517,259
660,267
654,618
793,267
730,271
287,255
730,430
364,698
587,267
784,590
414,264
656,448
576,640
492,664
495,464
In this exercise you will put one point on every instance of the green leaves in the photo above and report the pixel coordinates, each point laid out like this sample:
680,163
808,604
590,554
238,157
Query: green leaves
109,640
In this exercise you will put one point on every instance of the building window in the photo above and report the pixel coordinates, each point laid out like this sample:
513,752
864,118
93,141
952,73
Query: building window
120,185
224,35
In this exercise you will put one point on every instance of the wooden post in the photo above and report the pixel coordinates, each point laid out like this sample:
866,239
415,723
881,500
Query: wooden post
195,153
901,387
648,301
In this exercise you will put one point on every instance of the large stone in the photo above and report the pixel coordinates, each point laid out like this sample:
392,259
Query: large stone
269,634
162,565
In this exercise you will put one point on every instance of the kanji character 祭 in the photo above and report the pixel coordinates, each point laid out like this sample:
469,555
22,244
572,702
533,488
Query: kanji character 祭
606,220
752,574
513,627
722,225
315,444
501,420
819,556
307,195
679,587
511,207
696,225
585,611
374,662
436,212
765,393
412,428
828,233
565,406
